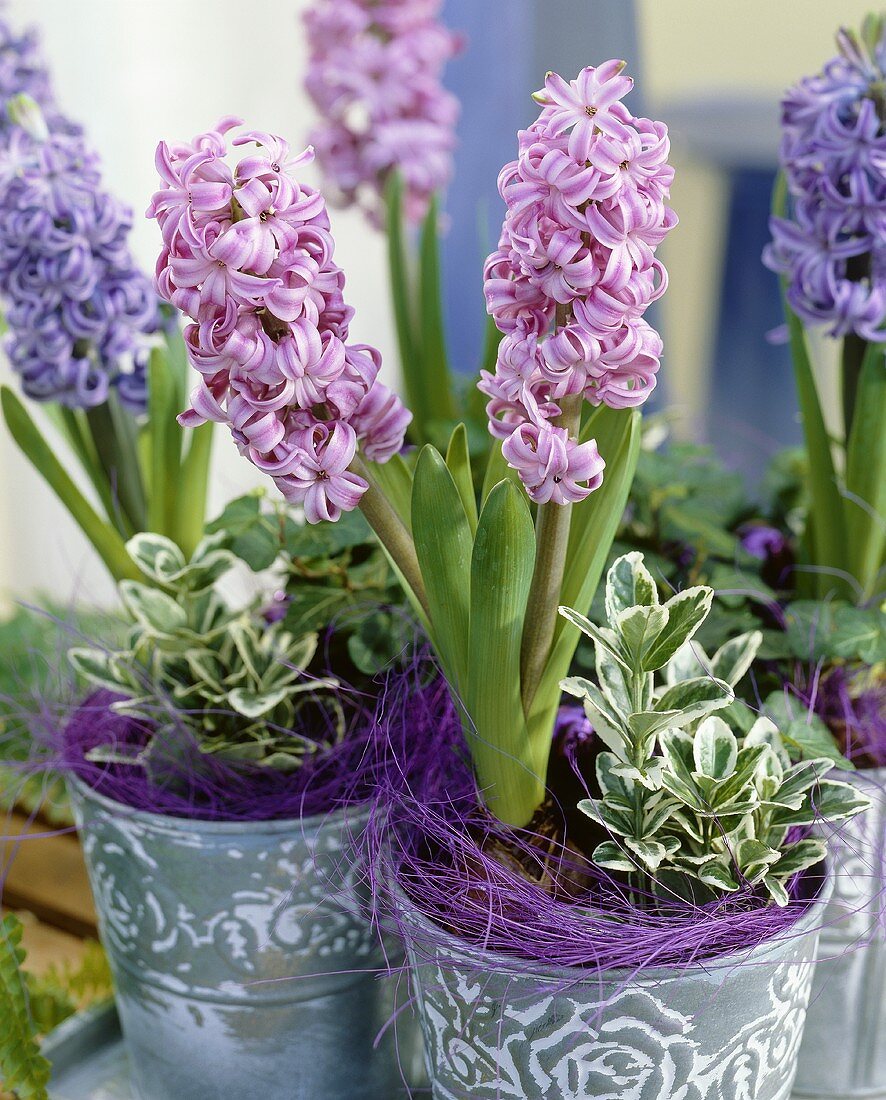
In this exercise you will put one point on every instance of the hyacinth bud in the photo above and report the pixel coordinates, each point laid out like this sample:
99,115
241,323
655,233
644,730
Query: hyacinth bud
851,47
872,31
25,112
573,274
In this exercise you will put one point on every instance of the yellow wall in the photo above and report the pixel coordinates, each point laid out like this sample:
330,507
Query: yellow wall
754,45
693,48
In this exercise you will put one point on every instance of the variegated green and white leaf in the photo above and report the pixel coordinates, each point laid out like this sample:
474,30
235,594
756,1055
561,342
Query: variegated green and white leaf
715,749
629,584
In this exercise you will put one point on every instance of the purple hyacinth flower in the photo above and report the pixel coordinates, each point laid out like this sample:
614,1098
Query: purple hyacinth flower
78,310
832,248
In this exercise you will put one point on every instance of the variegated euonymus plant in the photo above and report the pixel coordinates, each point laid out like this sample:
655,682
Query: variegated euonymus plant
694,808
233,680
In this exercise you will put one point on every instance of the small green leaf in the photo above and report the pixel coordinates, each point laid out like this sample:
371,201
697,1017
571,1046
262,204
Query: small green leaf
693,699
601,635
610,781
610,725
611,856
97,667
614,684
685,613
715,749
629,584
651,853
732,660
157,556
765,732
254,704
754,858
839,801
799,856
638,629
804,733
152,608
777,891
719,876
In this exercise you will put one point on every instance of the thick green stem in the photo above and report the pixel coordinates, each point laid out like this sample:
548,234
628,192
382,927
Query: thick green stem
392,533
854,350
552,540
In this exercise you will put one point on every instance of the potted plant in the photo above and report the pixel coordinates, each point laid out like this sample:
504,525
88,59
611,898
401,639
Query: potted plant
826,246
218,792
701,826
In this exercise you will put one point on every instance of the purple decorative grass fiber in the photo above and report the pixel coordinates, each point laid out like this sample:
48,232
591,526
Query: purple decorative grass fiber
428,836
187,783
183,782
853,704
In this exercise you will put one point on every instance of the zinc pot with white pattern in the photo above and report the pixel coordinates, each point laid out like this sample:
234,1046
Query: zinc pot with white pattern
844,1049
497,1028
243,959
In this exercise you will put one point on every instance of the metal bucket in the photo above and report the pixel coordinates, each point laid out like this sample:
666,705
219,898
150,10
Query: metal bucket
243,959
844,1050
498,1030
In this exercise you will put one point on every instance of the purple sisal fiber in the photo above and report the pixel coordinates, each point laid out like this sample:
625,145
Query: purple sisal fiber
430,840
186,783
859,717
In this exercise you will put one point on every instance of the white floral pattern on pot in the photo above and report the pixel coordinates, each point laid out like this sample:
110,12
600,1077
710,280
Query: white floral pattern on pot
272,904
490,1037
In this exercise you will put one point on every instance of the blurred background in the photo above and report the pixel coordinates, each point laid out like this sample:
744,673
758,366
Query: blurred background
135,71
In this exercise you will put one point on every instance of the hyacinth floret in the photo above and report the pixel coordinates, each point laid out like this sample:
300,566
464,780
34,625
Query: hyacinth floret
374,76
78,310
573,274
248,257
833,153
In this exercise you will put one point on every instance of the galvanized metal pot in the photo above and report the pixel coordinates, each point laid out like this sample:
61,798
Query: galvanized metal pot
243,959
844,1050
496,1029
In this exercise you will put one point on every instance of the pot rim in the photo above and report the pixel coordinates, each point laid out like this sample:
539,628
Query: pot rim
172,823
810,920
